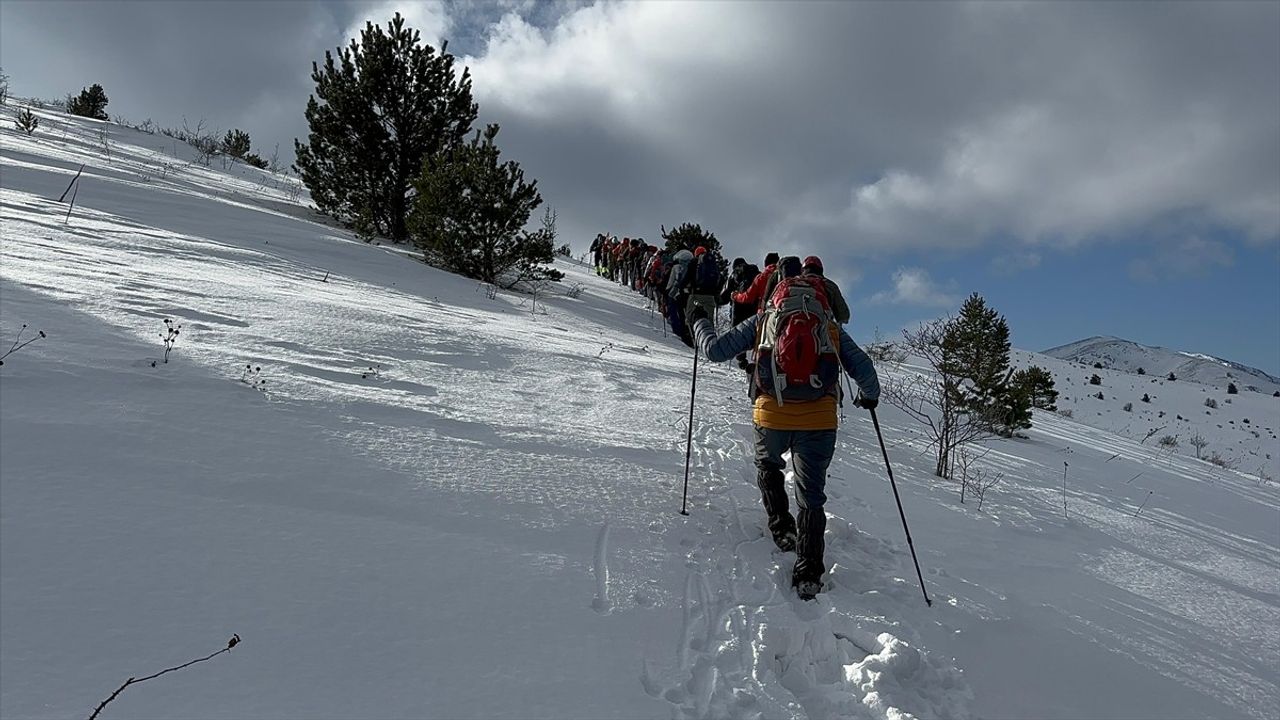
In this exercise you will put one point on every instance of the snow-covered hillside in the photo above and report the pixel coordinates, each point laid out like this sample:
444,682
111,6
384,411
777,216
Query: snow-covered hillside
1241,429
442,504
1128,356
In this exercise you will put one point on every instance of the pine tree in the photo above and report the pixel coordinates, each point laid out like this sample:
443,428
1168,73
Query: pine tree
236,143
976,348
90,103
690,236
1036,384
384,107
1232,389
470,213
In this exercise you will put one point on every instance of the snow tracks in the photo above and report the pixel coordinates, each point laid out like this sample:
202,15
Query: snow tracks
748,646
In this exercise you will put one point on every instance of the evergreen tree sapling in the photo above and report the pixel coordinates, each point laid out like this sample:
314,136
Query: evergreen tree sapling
27,121
1036,384
90,103
383,106
470,213
976,348
236,143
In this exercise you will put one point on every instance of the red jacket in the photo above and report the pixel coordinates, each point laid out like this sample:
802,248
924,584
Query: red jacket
754,294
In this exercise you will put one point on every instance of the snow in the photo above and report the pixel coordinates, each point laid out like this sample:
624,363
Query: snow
487,526
1127,356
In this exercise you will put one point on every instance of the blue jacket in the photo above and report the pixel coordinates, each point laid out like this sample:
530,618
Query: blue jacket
743,338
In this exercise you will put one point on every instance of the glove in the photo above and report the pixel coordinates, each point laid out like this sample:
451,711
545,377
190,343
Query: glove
697,313
865,402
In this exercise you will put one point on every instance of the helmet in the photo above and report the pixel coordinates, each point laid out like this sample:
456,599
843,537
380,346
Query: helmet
699,251
813,262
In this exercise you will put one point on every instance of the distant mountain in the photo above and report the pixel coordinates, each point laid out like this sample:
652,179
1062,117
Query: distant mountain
1127,356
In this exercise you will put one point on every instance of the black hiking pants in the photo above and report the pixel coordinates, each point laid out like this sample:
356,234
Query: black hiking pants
811,452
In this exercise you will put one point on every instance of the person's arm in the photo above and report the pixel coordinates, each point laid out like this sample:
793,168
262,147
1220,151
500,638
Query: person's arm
839,308
720,348
751,296
859,366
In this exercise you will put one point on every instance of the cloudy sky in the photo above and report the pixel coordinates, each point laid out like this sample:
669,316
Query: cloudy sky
1090,168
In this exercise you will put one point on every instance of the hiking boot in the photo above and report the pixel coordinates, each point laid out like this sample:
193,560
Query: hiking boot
808,589
785,540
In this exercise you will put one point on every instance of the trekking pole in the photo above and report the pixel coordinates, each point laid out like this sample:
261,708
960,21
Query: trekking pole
876,421
688,443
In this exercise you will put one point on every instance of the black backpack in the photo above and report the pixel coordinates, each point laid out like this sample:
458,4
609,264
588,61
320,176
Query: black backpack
706,275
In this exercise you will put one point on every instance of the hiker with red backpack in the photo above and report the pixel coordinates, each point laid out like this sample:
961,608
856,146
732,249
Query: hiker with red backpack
800,350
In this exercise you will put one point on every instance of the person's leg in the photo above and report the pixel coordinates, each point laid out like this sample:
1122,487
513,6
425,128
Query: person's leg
811,451
770,477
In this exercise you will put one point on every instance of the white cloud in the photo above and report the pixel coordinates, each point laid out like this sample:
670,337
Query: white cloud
430,19
913,286
806,126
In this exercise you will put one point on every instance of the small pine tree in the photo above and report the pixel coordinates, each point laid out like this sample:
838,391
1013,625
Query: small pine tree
1146,398
470,214
689,236
1171,377
1036,384
1095,380
976,348
27,121
236,143
254,160
1142,371
90,103
1231,389
1097,366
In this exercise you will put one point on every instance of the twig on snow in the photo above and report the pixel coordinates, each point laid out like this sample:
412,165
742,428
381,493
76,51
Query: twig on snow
235,640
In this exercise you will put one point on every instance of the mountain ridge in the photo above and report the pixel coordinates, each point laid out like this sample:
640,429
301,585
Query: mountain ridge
1129,356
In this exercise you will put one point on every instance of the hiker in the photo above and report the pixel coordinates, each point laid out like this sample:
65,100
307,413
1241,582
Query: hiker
740,279
754,294
595,251
839,308
799,353
677,295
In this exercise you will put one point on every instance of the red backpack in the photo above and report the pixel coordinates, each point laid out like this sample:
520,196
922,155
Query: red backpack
797,343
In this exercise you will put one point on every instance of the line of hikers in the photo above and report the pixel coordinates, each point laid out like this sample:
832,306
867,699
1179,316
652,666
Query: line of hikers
787,334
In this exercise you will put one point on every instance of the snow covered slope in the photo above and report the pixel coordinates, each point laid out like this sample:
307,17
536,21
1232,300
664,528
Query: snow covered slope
1241,429
1128,356
443,504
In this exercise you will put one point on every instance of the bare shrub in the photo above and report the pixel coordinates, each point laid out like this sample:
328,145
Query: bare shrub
933,400
1211,403
1168,441
1198,442
1227,464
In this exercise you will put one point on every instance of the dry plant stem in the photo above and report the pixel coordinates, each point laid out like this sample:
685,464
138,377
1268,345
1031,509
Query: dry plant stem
235,639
